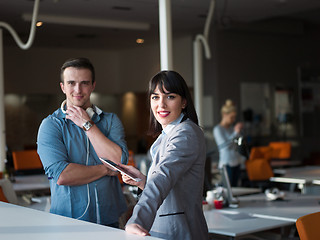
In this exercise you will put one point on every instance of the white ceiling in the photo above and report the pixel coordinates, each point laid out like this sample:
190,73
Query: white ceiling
188,17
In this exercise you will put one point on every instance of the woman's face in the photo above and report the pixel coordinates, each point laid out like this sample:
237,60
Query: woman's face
230,118
166,107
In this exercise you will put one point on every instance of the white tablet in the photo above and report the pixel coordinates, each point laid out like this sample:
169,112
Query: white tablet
120,169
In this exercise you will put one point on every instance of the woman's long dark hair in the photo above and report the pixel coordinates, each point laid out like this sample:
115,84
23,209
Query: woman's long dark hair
173,82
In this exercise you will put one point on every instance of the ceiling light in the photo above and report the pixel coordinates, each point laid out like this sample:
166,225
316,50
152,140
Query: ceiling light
140,40
39,24
89,22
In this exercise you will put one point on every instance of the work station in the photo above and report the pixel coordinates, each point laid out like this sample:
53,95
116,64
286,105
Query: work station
253,72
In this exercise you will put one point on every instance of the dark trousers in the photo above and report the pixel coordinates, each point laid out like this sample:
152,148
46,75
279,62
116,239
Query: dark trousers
234,175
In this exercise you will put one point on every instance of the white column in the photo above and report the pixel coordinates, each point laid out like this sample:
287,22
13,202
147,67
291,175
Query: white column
166,62
198,80
3,155
201,40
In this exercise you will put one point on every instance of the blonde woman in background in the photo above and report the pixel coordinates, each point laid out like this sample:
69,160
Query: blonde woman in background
225,133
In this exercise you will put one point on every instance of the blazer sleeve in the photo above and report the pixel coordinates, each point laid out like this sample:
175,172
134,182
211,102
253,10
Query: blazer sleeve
180,151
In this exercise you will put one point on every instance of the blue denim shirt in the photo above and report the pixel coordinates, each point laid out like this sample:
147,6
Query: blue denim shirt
61,142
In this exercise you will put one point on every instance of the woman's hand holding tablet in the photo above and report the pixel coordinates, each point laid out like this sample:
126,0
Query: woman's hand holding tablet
120,169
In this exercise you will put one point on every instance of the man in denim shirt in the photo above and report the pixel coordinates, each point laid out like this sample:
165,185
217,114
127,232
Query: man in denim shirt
70,142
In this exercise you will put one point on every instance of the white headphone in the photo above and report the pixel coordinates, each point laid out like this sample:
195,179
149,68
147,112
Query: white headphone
274,194
89,110
62,106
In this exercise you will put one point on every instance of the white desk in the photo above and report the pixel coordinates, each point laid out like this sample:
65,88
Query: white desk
299,174
256,214
235,224
18,223
304,176
290,209
240,191
31,183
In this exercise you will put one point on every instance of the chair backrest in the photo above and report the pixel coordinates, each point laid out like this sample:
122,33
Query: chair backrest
2,196
260,152
280,150
258,165
26,160
308,226
131,162
259,170
7,193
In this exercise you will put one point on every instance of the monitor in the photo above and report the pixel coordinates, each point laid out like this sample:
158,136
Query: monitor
232,201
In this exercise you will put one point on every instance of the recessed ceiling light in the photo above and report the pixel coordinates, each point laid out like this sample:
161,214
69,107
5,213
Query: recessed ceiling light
140,40
39,24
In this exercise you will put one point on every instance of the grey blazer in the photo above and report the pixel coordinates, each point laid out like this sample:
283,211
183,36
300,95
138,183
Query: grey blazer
170,206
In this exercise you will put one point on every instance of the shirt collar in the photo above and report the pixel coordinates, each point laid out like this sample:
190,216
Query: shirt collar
96,109
171,125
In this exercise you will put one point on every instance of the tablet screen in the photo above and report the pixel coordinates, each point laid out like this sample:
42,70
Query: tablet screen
121,169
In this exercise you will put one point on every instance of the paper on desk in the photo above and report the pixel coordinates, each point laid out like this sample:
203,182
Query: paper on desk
237,215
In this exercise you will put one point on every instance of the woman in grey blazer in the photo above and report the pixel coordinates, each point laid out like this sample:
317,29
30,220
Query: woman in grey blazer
170,205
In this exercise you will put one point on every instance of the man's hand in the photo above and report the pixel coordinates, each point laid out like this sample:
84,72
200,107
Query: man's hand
77,115
136,229
110,171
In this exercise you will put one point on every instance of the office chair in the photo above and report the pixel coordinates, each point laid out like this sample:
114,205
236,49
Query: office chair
7,193
308,226
26,160
264,152
2,196
258,167
280,150
131,162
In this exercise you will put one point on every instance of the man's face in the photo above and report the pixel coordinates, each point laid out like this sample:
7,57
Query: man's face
77,86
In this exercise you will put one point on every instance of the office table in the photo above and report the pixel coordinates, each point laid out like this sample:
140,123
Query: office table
256,214
290,209
31,183
285,163
18,223
240,191
236,224
303,176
